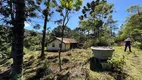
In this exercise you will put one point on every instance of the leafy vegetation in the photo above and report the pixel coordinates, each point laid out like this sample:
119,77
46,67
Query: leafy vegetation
5,41
32,40
76,65
22,52
58,31
133,28
99,21
65,8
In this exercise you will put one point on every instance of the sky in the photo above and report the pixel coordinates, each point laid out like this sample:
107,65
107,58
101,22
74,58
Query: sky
120,6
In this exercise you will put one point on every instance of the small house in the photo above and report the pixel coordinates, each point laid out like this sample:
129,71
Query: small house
55,44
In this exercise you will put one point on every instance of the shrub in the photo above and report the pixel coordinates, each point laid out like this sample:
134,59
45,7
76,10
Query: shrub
137,44
117,62
105,41
89,43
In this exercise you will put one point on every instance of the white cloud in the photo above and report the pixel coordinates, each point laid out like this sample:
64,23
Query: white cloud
27,25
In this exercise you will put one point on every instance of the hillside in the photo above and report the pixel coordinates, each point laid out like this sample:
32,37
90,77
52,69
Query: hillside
77,65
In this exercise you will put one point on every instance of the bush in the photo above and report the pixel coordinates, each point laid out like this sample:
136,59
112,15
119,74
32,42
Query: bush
89,43
35,48
4,50
117,62
137,45
105,41
102,41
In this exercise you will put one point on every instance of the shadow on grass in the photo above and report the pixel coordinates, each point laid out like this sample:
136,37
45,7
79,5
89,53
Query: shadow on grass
120,75
5,75
3,61
42,72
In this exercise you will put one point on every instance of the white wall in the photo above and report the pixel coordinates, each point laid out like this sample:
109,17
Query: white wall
56,48
68,46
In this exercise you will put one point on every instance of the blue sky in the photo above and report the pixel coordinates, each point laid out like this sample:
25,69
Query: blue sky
120,7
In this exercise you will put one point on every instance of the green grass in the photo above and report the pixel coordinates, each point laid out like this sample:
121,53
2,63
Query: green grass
133,62
77,66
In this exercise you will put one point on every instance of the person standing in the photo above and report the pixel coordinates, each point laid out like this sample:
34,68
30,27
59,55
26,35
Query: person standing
127,44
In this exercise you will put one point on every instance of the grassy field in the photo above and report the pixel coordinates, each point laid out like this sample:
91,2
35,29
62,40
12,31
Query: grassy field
76,65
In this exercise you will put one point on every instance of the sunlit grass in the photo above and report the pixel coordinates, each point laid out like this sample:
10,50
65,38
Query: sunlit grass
133,61
78,63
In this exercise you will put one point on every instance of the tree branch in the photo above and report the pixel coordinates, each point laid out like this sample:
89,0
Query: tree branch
68,18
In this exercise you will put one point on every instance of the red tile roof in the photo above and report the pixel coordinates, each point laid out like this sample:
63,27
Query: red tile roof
67,40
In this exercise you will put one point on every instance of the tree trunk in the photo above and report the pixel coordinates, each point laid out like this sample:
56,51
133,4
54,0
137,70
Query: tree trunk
60,62
63,28
43,38
12,22
18,35
46,13
60,67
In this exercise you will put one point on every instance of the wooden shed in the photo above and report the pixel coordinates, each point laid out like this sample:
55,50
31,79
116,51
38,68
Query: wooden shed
68,43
